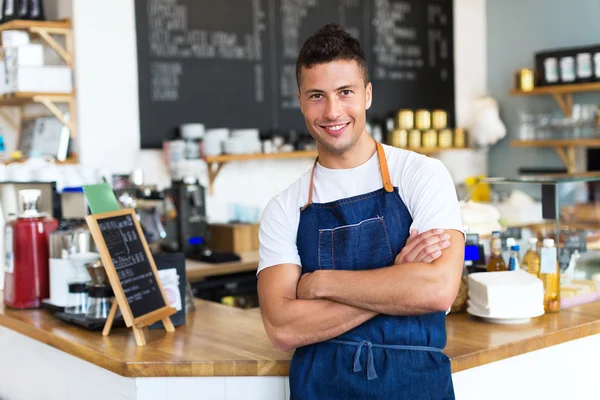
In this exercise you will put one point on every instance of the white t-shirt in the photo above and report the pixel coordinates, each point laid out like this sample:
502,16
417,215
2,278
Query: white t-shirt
424,184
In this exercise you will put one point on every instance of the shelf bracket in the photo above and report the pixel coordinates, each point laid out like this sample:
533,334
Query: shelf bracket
50,104
10,120
45,33
212,175
567,156
565,102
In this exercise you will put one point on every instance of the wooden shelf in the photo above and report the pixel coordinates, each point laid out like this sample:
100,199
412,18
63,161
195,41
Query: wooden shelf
49,100
221,160
22,98
71,159
565,148
559,89
563,94
557,143
244,157
21,24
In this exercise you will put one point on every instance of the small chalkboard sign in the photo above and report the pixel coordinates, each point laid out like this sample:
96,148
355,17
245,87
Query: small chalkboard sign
131,271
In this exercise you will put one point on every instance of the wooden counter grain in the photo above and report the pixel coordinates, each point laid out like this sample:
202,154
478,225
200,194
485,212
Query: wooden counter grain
197,270
224,341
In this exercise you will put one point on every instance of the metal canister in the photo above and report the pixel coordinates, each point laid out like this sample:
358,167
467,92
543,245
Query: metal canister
439,119
60,242
445,138
430,138
399,138
423,119
405,119
460,137
525,79
414,139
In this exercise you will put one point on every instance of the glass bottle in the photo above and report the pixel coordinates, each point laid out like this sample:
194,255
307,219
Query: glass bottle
513,261
550,276
531,259
496,262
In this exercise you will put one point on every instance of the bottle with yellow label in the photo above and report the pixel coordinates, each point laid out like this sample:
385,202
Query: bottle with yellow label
550,276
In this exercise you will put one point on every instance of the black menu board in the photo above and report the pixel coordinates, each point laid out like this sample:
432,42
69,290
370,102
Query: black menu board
131,263
231,63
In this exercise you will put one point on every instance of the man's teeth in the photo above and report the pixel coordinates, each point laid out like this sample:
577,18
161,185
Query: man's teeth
335,128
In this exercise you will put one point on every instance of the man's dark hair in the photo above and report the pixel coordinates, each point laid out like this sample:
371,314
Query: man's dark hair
331,43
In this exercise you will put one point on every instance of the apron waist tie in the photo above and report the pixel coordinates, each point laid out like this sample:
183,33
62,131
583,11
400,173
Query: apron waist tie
371,374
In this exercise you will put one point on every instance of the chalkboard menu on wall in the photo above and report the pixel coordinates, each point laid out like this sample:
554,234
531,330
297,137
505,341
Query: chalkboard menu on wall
231,63
132,265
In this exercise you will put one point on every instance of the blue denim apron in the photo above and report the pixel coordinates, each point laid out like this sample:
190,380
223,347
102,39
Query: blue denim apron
387,357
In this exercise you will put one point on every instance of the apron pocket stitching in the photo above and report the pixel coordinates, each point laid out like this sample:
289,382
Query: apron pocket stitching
332,254
387,237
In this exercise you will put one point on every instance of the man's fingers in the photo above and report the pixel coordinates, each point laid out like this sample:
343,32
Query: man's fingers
432,257
412,236
434,249
420,249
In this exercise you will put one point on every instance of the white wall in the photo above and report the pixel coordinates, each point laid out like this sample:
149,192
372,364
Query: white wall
107,89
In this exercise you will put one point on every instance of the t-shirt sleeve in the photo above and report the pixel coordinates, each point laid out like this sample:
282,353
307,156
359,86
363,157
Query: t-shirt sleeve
277,238
433,202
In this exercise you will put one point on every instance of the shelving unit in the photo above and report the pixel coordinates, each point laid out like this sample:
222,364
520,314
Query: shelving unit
47,31
220,161
563,95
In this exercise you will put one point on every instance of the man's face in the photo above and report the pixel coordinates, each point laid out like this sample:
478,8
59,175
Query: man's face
333,99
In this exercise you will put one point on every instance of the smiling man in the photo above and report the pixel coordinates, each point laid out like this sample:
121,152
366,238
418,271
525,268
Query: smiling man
340,278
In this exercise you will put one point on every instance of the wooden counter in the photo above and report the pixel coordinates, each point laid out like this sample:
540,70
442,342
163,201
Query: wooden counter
224,341
197,270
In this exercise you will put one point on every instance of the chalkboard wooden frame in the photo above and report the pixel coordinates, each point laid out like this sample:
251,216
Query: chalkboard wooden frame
136,323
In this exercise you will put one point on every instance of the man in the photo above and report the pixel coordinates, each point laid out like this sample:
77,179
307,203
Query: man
338,281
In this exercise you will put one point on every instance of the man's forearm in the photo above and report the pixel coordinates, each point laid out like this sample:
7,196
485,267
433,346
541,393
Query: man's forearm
311,321
409,289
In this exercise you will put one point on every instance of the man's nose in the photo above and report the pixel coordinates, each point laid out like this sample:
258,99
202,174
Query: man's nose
333,109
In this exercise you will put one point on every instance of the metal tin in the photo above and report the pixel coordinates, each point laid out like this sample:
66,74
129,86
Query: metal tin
445,138
460,137
439,119
399,138
430,138
423,119
405,119
414,139
525,79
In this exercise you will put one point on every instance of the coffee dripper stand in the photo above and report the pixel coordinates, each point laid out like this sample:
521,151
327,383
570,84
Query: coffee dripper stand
100,293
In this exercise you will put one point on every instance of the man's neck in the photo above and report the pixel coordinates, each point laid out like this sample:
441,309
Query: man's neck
358,154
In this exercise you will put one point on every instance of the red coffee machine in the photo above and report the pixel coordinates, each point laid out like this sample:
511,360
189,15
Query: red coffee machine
26,281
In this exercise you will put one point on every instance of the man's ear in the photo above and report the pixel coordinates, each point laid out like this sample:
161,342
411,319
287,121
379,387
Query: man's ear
369,95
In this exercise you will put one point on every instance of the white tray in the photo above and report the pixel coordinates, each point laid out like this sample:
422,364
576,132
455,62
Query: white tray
501,320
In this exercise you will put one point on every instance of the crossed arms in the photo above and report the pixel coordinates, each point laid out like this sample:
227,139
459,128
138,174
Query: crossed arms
298,310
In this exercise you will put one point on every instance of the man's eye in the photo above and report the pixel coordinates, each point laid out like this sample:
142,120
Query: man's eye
346,92
316,96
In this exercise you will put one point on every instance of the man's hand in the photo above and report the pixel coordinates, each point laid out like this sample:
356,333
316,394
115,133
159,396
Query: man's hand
306,287
425,247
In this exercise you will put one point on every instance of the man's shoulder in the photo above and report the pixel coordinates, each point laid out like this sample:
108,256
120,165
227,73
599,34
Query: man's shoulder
289,198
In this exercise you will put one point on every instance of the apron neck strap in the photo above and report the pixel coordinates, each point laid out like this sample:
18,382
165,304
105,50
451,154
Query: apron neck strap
383,166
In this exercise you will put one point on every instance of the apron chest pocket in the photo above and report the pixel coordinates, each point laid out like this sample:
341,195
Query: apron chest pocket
365,245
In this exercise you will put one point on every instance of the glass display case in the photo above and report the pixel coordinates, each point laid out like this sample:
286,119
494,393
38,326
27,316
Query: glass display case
563,207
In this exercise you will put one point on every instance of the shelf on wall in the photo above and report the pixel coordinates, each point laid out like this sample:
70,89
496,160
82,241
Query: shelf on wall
565,148
49,100
563,94
45,29
221,160
71,159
